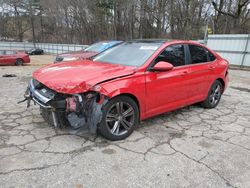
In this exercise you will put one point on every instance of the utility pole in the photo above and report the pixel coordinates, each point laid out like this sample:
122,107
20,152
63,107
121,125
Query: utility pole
208,18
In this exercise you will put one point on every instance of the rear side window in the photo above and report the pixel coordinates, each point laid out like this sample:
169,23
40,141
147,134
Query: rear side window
1,53
200,54
211,57
10,52
173,54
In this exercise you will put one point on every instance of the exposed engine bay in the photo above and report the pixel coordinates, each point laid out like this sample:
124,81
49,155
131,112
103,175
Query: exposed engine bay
78,111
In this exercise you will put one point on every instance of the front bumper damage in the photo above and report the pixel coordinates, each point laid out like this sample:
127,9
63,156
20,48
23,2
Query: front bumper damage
79,111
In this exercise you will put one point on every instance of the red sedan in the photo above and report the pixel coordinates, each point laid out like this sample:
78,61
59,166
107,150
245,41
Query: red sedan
10,57
128,83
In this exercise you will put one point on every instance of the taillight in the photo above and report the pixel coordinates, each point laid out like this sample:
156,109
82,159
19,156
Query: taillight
227,71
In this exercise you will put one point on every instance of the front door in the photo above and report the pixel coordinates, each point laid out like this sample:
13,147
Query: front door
166,91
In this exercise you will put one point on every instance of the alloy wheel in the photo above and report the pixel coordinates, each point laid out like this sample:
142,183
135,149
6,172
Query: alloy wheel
19,62
215,95
120,118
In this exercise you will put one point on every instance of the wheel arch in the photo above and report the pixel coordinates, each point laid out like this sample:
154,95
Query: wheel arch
132,97
19,58
135,91
222,82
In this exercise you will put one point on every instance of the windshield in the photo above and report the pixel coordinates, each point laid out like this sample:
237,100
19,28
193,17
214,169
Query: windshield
97,47
130,53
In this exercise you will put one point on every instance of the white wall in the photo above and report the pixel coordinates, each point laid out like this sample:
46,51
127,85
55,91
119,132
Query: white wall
234,48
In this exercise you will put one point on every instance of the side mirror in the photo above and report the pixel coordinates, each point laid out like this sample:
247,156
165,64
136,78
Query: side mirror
162,66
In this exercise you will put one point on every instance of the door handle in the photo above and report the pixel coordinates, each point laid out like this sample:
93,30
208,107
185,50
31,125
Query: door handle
184,73
211,67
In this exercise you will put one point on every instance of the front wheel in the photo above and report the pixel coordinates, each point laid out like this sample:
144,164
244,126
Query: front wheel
214,95
120,117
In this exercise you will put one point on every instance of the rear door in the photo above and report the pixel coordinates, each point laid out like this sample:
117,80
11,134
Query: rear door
166,91
201,72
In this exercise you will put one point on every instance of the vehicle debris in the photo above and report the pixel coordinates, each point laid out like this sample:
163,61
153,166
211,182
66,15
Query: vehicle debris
9,75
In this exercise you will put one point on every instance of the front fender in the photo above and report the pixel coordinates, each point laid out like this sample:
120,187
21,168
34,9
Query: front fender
133,86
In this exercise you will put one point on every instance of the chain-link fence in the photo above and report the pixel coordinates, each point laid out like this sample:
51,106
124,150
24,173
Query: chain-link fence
234,48
47,47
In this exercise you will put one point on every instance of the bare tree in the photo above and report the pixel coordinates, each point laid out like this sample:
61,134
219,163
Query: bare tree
87,21
235,12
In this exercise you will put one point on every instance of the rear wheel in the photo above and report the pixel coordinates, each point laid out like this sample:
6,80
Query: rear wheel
214,95
120,117
19,62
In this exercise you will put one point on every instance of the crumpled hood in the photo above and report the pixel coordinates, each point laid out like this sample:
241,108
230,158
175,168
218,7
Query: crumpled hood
78,77
81,54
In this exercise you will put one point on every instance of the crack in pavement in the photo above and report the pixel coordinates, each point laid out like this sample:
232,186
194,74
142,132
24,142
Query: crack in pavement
201,163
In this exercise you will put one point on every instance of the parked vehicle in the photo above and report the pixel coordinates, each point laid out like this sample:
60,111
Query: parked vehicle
35,51
11,57
88,52
128,83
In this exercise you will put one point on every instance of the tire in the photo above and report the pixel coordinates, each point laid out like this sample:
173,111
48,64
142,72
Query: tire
214,95
19,62
119,124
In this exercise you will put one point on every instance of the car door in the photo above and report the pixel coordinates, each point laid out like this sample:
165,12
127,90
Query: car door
10,57
201,71
1,57
5,58
166,91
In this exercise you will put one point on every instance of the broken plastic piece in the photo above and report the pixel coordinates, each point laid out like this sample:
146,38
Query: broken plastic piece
71,104
76,121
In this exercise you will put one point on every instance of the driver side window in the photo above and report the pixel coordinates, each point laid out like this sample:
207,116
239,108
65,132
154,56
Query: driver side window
173,54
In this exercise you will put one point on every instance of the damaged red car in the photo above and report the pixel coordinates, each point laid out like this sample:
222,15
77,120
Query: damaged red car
130,82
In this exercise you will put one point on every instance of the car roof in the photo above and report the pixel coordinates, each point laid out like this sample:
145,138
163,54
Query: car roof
164,41
150,40
110,41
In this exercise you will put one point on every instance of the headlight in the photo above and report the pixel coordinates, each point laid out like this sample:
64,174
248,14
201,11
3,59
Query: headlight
70,58
97,88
